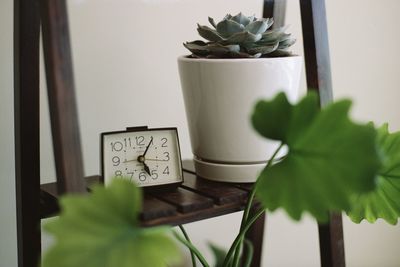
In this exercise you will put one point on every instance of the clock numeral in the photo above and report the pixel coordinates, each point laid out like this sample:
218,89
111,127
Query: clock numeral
166,171
116,161
164,142
166,156
142,176
139,140
116,146
154,174
128,142
118,173
131,174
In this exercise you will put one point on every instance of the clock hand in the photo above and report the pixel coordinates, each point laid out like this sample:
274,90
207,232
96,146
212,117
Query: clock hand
130,160
146,168
147,148
142,158
156,159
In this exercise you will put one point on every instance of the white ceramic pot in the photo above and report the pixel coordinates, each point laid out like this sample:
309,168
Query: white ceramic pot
219,96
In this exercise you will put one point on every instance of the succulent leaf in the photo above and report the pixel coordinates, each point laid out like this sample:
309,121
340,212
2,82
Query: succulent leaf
240,36
286,43
243,37
208,33
266,49
198,48
241,19
227,16
257,27
228,27
212,22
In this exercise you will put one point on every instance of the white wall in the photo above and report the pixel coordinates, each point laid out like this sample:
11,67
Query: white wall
125,67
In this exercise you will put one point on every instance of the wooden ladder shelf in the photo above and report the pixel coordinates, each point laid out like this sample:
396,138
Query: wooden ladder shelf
195,200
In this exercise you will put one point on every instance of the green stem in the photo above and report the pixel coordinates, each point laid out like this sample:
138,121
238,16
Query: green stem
248,207
240,236
250,251
192,248
188,240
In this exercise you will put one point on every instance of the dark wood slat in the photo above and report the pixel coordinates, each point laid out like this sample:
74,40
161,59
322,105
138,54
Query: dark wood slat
26,130
154,208
60,84
49,196
221,193
268,8
245,186
316,48
185,200
183,218
158,212
256,232
48,204
275,9
317,60
331,242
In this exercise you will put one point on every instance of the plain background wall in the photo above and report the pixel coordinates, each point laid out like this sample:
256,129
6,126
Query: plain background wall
126,74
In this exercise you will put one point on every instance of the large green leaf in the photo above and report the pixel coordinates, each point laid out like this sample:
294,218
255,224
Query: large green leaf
384,202
218,253
101,230
329,157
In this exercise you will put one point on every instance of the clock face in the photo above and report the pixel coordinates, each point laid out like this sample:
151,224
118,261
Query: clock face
148,158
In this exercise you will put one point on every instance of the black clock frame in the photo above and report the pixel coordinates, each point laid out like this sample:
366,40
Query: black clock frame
150,188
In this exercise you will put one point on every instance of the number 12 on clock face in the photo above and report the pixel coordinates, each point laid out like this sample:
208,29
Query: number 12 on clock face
148,157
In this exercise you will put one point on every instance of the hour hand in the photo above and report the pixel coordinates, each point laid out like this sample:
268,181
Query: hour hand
146,168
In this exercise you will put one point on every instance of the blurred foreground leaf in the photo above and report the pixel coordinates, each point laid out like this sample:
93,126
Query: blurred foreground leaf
384,202
329,159
218,253
102,230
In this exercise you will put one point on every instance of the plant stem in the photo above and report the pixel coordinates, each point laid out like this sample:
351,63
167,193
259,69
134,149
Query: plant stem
250,251
240,236
192,248
248,207
188,240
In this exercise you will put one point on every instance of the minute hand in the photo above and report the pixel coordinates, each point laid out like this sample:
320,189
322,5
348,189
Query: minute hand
147,148
156,159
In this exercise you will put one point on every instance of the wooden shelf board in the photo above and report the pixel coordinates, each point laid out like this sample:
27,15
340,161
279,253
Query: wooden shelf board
196,199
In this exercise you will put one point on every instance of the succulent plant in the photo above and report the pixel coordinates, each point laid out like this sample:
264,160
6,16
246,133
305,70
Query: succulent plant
240,36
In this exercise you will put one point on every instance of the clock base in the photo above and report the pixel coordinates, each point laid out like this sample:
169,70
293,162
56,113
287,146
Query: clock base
232,173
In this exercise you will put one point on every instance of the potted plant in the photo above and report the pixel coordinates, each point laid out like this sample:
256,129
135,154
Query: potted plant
242,61
333,164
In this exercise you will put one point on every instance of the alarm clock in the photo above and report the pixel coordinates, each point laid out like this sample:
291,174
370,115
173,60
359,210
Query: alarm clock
150,158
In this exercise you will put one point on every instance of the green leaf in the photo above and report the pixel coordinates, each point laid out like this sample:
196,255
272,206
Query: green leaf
286,43
212,22
242,19
218,253
228,27
208,33
243,37
258,26
102,229
265,49
329,157
384,202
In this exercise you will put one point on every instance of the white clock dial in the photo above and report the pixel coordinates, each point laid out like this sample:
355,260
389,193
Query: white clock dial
149,157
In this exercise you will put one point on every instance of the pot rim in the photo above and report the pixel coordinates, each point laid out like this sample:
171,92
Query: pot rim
235,60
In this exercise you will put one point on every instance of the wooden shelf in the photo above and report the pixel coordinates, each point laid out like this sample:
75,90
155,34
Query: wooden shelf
196,199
